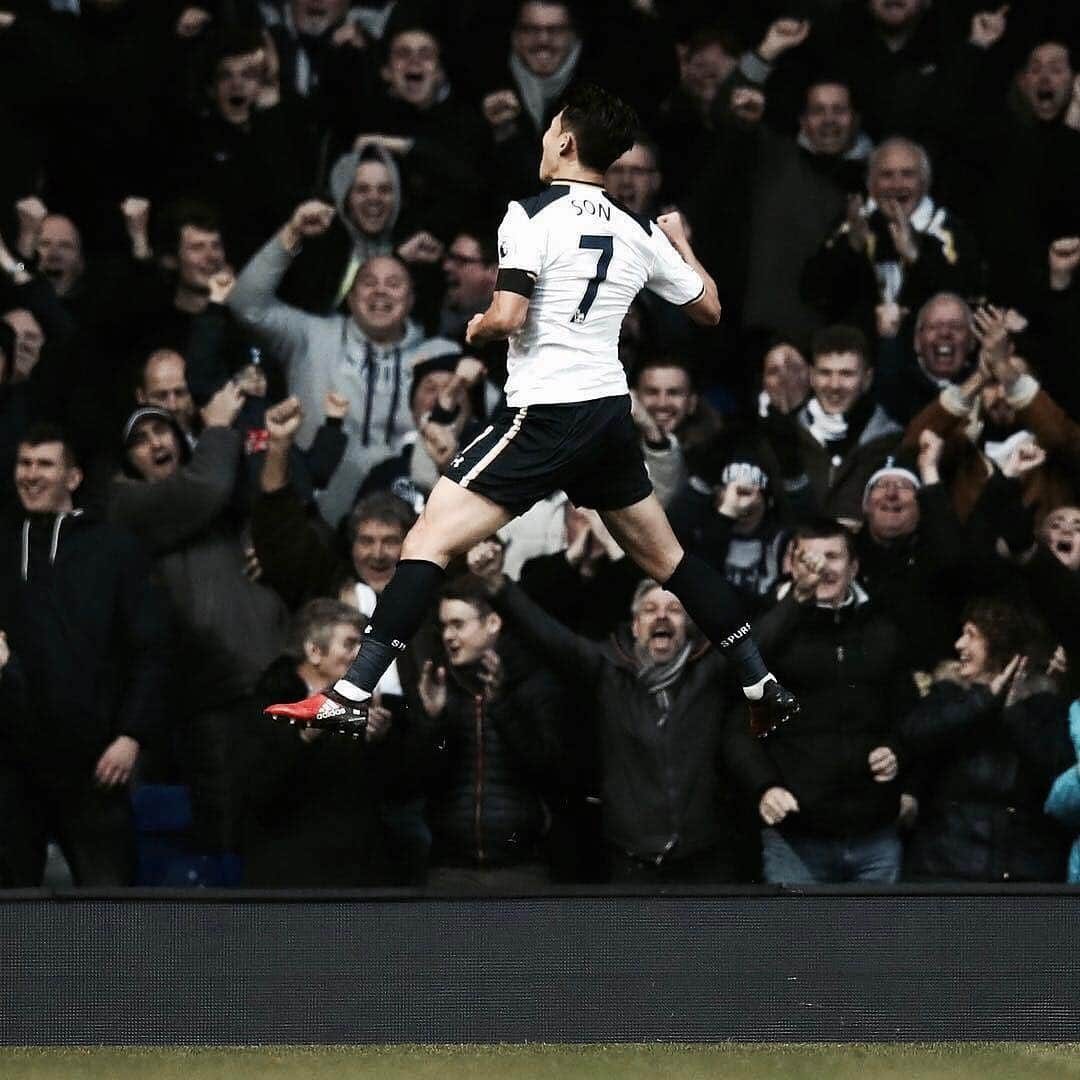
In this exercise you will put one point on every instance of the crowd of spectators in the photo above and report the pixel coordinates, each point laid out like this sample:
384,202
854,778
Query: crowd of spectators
240,241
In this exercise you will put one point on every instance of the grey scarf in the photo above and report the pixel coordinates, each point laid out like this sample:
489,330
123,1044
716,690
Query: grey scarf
657,677
537,92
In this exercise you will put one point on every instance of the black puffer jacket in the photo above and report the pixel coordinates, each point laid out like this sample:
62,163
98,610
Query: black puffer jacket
988,773
662,788
844,665
486,808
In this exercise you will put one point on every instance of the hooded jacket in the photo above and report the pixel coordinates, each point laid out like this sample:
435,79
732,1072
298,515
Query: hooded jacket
88,631
319,278
332,353
662,787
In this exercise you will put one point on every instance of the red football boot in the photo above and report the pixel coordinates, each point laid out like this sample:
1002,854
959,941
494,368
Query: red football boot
776,707
327,711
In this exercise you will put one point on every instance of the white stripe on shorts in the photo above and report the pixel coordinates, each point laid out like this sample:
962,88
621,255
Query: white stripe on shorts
497,449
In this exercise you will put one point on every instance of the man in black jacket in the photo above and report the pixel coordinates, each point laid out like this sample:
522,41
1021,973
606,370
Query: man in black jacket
657,696
311,801
495,710
84,680
826,786
915,559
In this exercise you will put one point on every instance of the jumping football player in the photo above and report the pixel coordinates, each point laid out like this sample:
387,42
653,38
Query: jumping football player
571,261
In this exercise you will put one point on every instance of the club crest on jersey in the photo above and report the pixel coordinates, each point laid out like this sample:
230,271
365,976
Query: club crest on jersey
505,247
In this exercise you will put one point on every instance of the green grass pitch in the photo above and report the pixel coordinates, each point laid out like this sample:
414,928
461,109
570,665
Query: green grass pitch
954,1061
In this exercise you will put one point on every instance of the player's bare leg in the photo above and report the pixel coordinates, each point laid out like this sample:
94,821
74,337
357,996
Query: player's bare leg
644,533
453,520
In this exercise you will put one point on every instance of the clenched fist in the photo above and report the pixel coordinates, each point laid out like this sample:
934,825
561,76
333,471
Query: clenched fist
501,108
335,405
311,218
283,420
776,804
221,284
1064,259
674,227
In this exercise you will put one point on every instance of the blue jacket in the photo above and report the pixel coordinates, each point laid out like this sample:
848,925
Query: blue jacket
1063,802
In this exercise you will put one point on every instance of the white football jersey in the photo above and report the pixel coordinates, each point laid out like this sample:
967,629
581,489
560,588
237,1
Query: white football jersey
590,257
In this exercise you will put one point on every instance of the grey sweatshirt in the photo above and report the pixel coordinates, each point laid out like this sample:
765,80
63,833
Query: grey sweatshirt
321,353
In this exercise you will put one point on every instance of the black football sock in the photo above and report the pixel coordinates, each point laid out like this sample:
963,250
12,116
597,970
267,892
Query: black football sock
712,605
398,615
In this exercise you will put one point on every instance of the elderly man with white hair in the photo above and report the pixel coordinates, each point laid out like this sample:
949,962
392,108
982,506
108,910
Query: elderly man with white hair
896,248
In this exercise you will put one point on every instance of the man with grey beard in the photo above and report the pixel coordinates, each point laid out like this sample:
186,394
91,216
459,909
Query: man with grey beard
657,703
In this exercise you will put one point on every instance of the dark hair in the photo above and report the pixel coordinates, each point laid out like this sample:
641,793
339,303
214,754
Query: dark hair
840,339
40,433
662,361
232,39
644,139
713,35
315,622
382,507
603,125
1010,630
1051,39
186,213
411,23
826,529
469,590
486,235
566,5
829,79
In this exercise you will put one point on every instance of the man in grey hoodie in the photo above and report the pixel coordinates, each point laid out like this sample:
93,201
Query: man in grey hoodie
365,355
365,187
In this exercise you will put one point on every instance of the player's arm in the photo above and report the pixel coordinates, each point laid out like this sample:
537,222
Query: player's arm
508,309
705,309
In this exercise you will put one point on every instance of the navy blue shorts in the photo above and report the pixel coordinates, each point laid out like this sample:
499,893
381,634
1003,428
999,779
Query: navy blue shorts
590,449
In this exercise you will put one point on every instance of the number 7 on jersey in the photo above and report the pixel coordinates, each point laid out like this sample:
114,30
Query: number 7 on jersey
605,245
